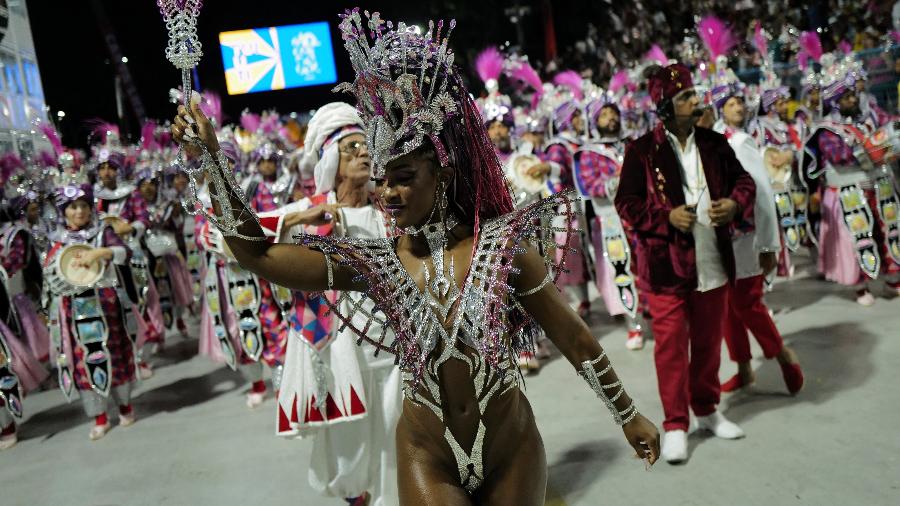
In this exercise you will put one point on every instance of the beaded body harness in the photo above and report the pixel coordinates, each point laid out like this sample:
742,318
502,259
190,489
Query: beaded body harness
478,314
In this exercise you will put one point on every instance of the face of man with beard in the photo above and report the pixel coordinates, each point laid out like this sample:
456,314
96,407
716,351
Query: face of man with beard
849,104
499,135
609,122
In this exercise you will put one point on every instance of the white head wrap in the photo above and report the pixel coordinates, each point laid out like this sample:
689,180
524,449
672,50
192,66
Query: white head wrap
321,157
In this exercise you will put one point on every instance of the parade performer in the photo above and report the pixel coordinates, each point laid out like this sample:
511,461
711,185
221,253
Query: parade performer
859,238
682,190
570,128
596,178
119,203
463,290
346,397
755,251
93,350
20,366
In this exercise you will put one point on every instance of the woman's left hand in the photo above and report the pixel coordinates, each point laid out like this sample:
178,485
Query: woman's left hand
643,436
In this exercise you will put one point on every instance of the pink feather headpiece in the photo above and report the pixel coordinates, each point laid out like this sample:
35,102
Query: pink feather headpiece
810,47
53,137
760,41
489,66
571,80
716,36
211,105
250,121
619,80
656,54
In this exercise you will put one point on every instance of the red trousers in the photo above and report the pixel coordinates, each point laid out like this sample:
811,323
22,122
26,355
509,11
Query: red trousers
746,310
688,334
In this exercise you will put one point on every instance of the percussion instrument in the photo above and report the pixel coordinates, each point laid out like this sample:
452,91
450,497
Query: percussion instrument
160,243
68,277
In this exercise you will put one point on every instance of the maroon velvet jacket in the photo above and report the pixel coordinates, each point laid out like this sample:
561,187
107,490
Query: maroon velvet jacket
651,186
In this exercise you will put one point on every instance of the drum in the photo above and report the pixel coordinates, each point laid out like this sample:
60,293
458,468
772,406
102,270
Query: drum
883,146
160,243
778,165
76,275
521,164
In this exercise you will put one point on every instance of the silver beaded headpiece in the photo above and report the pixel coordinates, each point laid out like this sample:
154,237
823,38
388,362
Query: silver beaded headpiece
406,86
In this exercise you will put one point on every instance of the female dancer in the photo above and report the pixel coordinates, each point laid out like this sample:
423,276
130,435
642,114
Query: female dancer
459,324
94,352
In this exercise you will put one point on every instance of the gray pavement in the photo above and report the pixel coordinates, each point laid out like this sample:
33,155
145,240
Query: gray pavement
195,442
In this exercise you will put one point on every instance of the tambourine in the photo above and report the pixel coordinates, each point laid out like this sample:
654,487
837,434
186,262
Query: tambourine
521,164
160,243
77,275
778,166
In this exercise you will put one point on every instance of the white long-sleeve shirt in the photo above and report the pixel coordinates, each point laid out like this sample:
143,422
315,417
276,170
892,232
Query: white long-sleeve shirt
766,235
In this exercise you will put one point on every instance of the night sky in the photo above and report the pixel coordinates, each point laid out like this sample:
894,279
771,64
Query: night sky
78,79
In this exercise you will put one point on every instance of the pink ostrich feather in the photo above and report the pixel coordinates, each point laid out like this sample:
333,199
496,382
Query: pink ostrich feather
619,80
46,159
148,135
845,47
656,54
250,121
270,123
811,45
760,40
526,73
489,64
9,164
211,105
572,80
53,136
99,128
716,36
895,34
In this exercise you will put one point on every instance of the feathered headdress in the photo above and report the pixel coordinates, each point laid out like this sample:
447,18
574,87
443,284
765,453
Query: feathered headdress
656,55
716,37
489,66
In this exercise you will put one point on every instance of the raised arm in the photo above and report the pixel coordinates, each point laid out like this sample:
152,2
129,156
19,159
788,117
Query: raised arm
573,338
290,265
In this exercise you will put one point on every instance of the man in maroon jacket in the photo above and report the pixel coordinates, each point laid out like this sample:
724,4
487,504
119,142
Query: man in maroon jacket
685,194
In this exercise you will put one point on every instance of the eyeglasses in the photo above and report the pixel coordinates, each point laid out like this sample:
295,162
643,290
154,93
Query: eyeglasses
353,148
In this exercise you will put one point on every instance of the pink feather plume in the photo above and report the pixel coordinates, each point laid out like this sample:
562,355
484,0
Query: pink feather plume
46,159
760,41
148,135
526,73
656,54
572,80
270,123
99,128
53,136
9,164
489,64
895,34
845,47
716,36
619,80
811,45
211,105
250,121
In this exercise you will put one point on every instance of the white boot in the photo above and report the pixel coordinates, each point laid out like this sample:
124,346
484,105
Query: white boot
719,426
674,450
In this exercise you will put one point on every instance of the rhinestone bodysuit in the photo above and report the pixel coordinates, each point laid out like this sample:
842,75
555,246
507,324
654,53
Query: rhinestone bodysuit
484,315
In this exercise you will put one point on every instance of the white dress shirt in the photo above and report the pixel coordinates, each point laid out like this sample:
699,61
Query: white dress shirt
710,271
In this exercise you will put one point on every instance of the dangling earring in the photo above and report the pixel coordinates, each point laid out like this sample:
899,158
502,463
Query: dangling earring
436,235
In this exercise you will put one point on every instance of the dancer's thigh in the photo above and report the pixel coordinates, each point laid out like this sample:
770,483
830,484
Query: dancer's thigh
521,480
423,475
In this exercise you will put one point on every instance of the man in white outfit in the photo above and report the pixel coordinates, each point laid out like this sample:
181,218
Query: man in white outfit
345,397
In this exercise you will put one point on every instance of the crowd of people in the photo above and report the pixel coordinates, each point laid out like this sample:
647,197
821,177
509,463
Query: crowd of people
399,266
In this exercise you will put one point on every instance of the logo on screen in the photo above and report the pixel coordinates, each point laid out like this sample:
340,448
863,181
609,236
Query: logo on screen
277,57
